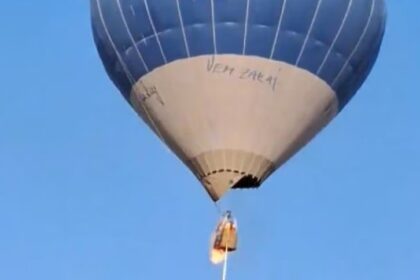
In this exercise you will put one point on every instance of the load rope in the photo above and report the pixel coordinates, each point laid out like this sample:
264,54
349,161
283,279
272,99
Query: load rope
225,264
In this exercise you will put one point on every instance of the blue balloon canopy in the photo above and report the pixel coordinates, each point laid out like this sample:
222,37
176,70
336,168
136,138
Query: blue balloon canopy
337,40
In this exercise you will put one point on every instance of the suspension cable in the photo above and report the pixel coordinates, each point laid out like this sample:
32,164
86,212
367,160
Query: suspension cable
225,264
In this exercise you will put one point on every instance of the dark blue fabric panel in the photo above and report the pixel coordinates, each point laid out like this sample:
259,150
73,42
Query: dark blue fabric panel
230,37
173,44
260,40
137,19
347,41
198,26
150,50
288,46
230,13
343,73
265,12
313,56
200,39
297,19
328,21
346,89
322,34
115,25
164,14
134,64
369,40
122,80
169,28
263,20
353,29
358,66
230,26
105,50
344,64
108,54
332,67
194,11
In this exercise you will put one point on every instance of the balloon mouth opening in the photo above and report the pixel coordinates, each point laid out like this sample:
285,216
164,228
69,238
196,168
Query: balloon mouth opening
217,184
222,170
247,182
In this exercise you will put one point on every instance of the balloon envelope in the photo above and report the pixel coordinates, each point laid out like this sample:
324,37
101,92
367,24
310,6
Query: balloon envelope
235,88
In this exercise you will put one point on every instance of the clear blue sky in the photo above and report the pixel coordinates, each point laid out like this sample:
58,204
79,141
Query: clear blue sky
87,192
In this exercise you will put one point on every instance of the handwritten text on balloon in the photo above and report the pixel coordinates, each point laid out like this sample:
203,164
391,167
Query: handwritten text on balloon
242,73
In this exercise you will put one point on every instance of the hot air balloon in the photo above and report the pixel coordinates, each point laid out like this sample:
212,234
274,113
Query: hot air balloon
237,87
